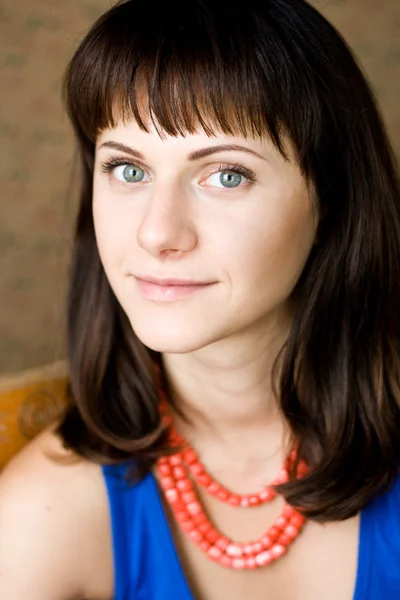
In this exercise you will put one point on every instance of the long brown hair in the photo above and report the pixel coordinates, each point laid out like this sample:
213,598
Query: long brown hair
275,68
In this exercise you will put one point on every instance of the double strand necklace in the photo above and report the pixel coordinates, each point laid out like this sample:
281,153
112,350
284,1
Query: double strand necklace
178,475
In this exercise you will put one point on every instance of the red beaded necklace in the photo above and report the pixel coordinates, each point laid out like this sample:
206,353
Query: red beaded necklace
179,473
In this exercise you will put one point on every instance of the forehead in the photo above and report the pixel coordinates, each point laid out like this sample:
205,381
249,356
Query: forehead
129,133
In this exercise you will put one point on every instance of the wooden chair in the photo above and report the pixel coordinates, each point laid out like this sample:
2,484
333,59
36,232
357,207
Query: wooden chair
29,402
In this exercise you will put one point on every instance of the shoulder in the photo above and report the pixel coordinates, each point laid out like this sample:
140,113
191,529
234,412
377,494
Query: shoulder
54,523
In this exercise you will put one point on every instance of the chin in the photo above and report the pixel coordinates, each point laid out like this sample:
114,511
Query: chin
171,338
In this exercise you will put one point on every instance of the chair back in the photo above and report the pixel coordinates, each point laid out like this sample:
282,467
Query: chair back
29,402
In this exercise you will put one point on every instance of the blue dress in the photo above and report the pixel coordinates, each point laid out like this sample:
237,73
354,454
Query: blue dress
147,566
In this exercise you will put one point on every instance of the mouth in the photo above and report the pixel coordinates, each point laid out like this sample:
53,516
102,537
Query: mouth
168,289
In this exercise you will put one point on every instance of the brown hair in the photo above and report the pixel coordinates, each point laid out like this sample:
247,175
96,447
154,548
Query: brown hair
274,68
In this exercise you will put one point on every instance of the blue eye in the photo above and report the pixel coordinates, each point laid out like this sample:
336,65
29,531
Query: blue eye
123,171
129,173
230,179
231,176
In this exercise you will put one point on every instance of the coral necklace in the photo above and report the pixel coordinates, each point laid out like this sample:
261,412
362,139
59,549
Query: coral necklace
179,473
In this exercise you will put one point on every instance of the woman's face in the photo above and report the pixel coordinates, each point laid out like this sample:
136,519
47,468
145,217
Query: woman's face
202,238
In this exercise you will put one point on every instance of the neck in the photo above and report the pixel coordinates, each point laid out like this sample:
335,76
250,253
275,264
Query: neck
226,405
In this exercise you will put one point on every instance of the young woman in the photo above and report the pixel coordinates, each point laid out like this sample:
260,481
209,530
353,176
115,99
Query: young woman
233,324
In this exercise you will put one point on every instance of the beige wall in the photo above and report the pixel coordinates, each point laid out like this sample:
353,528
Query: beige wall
36,152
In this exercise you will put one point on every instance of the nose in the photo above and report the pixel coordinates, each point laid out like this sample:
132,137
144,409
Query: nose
166,227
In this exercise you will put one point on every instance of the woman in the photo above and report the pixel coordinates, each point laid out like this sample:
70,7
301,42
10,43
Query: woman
233,326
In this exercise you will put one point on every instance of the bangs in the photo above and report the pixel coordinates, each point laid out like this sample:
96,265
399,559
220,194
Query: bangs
191,66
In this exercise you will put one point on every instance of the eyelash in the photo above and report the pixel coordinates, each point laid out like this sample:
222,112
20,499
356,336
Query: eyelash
109,165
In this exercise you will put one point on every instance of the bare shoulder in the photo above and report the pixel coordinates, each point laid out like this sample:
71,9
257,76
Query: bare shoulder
54,523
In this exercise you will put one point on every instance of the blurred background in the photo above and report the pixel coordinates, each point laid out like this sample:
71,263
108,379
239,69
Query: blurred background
37,187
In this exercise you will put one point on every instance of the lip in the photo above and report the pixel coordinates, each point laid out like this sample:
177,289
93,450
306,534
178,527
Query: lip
169,289
167,281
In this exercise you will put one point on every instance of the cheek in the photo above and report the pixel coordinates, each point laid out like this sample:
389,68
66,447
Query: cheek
274,247
111,234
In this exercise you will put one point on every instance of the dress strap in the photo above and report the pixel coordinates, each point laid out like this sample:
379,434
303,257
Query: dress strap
116,489
379,548
146,563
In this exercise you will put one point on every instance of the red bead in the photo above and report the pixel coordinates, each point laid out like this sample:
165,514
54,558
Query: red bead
181,516
281,522
238,563
291,532
175,440
267,495
254,501
222,494
203,479
264,558
190,456
196,468
251,563
195,536
297,520
204,545
278,550
234,550
164,469
187,526
234,500
284,540
179,472
248,549
184,485
213,487
222,543
199,519
266,542
257,547
167,483
189,497
225,561
213,536
178,506
244,501
205,527
288,511
175,460
274,533
214,553
194,508
172,495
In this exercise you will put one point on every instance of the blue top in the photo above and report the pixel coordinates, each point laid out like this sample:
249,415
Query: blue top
147,566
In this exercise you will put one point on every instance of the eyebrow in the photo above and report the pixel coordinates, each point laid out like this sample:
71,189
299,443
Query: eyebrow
196,155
